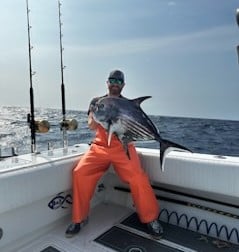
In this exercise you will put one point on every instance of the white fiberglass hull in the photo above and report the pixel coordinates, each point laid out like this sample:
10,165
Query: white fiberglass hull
36,191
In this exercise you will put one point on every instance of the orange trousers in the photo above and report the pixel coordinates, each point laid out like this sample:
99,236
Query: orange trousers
95,163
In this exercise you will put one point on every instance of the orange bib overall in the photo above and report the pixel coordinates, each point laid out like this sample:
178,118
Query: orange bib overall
95,163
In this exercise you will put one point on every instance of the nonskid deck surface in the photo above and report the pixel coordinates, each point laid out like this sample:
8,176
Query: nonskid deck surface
101,218
179,238
116,228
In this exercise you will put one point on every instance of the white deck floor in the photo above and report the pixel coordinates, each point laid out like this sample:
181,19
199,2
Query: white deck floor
102,217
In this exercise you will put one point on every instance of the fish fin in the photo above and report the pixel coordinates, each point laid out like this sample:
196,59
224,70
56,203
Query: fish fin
110,132
139,100
109,138
167,146
123,140
126,150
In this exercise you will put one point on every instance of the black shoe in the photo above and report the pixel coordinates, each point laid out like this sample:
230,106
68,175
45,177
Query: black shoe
155,229
73,229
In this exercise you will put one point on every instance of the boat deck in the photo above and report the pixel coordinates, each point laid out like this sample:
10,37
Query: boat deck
116,228
102,217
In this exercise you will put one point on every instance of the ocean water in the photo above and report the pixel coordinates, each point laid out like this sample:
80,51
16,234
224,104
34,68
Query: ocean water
217,137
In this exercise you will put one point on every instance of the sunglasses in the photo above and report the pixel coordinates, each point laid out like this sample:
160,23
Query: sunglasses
116,81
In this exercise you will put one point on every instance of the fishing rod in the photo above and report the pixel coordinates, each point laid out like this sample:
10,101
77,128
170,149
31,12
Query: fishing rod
41,126
72,123
237,20
30,116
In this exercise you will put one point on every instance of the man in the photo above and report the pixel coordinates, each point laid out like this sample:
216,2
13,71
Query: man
97,160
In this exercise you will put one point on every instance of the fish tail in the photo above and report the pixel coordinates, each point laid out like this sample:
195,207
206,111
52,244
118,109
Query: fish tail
165,147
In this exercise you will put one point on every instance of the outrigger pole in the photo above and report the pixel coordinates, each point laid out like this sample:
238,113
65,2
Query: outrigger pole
30,117
65,124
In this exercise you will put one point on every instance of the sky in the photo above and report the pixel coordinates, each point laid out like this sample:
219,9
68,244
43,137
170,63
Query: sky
181,52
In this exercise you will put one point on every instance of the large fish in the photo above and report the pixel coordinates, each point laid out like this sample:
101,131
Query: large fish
128,121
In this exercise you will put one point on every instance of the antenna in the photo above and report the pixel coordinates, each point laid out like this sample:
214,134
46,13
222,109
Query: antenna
41,126
72,123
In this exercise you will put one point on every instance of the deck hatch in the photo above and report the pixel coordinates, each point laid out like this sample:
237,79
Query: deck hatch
181,236
124,241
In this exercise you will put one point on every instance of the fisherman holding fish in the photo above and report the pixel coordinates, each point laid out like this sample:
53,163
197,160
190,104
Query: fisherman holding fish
106,149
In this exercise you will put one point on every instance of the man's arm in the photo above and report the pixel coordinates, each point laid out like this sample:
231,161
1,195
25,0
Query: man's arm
91,122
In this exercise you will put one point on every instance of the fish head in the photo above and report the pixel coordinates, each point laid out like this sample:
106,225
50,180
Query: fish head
107,113
105,110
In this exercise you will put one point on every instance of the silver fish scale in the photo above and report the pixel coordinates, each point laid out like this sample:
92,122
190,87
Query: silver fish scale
129,122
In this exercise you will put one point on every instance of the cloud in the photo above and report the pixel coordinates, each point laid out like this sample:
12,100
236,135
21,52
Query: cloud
171,3
217,38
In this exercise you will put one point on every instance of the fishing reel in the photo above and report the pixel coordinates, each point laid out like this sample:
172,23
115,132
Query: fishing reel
69,124
40,126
